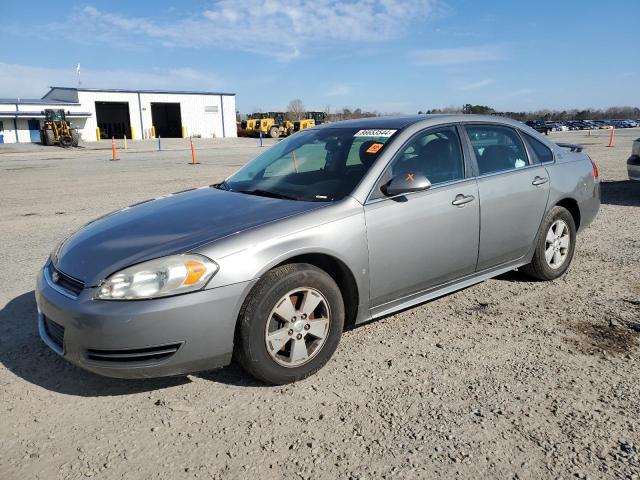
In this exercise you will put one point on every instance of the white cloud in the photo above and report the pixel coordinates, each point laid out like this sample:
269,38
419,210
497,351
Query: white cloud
269,27
476,85
338,91
518,93
33,82
458,56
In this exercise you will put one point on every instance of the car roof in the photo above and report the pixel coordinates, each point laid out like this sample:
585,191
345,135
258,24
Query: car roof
399,122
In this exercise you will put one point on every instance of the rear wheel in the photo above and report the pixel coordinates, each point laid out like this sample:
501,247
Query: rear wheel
555,247
290,324
274,132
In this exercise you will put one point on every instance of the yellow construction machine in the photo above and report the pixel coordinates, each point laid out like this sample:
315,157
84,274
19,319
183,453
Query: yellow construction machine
311,119
57,131
247,128
274,124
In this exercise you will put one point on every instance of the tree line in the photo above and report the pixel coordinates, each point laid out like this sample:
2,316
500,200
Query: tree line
296,110
546,114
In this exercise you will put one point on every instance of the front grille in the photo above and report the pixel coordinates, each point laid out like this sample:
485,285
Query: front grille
54,331
132,355
64,281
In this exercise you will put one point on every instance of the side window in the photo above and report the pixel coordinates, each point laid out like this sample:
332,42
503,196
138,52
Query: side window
436,154
497,148
542,153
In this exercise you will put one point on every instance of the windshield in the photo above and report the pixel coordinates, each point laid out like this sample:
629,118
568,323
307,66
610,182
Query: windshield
314,165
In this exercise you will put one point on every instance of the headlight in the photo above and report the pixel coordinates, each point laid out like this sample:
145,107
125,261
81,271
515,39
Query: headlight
159,278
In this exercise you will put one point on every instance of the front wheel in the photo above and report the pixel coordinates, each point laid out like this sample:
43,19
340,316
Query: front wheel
555,247
49,137
290,324
274,132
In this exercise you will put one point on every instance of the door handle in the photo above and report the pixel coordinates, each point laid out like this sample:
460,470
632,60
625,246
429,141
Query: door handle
460,200
539,181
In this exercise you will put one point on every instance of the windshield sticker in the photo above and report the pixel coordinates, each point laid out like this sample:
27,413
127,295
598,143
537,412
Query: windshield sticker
375,148
375,133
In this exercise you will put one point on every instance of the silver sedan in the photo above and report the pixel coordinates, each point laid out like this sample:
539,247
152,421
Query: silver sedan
334,226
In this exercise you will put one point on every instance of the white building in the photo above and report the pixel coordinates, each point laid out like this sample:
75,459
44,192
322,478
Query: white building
115,113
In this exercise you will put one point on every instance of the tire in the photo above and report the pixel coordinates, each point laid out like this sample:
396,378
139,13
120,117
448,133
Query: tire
273,350
65,140
49,137
557,225
75,138
274,132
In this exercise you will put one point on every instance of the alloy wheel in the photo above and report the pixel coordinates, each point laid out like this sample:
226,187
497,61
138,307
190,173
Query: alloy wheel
556,247
297,327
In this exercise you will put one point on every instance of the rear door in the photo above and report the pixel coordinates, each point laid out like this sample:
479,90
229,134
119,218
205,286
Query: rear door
513,193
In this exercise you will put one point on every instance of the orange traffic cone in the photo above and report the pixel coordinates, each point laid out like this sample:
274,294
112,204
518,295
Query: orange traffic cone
113,149
611,137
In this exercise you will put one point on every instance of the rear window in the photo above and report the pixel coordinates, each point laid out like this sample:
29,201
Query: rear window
541,152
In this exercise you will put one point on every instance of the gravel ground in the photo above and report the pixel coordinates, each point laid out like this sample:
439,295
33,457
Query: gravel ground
506,379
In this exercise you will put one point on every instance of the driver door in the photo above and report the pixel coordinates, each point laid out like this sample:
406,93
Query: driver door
420,240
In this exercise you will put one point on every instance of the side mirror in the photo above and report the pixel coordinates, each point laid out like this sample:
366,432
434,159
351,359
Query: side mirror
406,183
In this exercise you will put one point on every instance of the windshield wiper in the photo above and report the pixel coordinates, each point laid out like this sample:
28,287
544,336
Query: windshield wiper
222,185
267,193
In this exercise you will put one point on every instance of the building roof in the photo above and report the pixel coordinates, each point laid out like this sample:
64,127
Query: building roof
124,90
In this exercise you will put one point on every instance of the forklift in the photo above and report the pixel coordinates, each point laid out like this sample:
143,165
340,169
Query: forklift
57,131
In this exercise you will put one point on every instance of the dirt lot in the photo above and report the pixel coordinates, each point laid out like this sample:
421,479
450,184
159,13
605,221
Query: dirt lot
507,379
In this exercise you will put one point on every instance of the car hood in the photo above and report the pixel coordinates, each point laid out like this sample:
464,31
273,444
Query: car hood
167,225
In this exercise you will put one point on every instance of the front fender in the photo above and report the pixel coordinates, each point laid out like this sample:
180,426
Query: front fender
260,250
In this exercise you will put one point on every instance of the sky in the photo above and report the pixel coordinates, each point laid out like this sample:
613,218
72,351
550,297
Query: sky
392,56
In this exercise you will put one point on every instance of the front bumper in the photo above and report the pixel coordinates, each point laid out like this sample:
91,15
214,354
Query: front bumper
140,338
633,167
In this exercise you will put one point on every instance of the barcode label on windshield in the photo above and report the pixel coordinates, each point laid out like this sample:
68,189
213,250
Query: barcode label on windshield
375,133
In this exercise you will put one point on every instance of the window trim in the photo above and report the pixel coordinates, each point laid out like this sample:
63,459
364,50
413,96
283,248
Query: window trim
533,154
529,159
466,164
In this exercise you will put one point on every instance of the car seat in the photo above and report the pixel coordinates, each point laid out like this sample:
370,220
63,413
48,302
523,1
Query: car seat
496,158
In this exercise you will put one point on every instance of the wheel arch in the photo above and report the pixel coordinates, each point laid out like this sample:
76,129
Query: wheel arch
336,268
340,273
572,206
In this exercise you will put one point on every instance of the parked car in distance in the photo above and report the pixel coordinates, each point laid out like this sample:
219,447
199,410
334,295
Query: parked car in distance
633,163
539,126
336,225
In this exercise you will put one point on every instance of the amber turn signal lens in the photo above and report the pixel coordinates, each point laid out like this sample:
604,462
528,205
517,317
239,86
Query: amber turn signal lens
195,270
